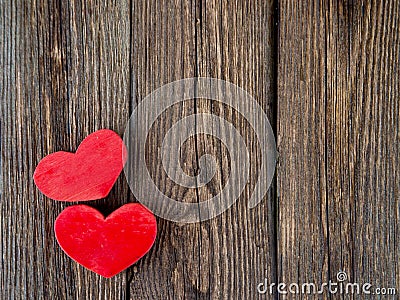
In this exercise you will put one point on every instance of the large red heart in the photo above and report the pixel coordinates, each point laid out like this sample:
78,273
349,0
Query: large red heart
88,174
109,245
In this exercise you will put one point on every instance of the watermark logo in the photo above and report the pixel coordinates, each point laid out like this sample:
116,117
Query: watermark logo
340,286
152,106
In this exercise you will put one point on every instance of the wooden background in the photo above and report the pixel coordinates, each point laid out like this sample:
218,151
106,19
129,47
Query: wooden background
327,74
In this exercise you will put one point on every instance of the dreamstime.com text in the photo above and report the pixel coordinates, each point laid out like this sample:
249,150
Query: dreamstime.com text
341,287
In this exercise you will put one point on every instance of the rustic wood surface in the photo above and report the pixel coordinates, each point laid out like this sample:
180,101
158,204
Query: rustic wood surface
327,75
338,137
65,73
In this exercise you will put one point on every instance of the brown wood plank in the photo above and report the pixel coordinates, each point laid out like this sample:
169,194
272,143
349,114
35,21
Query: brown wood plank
224,258
236,45
65,74
338,138
303,234
364,150
164,51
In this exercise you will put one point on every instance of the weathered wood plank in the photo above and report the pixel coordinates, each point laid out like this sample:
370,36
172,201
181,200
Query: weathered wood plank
65,74
303,233
338,138
228,256
363,149
163,51
236,44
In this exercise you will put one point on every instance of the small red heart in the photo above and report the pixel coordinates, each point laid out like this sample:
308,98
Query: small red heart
88,174
109,245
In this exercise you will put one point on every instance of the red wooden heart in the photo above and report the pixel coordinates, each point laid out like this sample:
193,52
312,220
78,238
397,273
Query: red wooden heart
88,174
109,245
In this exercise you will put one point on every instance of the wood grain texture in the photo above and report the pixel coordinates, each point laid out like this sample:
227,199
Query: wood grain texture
224,258
338,137
65,74
164,50
326,73
239,246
